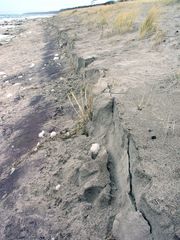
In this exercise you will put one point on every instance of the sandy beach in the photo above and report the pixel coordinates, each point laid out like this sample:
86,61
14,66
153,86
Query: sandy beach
116,177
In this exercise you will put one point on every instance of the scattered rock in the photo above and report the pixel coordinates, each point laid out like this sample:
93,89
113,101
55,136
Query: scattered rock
67,134
36,148
9,95
56,58
53,134
57,187
12,170
153,137
41,134
17,84
2,73
94,150
32,65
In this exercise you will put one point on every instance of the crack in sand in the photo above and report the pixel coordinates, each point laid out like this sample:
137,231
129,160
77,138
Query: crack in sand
131,193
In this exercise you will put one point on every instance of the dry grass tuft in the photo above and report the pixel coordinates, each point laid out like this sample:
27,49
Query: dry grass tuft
149,26
124,22
83,106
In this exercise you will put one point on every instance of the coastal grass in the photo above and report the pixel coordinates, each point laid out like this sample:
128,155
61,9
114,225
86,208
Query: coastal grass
149,25
124,22
83,106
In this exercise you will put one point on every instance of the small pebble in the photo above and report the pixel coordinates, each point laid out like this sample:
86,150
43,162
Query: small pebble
56,55
32,65
41,134
12,170
17,84
53,134
56,58
2,73
57,187
35,149
67,134
52,90
9,95
153,137
19,77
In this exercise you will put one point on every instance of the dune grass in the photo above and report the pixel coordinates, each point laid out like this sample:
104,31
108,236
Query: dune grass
124,22
83,106
149,25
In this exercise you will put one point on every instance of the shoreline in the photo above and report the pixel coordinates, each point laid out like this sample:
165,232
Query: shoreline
11,26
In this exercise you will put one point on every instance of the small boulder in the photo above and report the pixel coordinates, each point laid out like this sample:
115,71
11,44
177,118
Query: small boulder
94,150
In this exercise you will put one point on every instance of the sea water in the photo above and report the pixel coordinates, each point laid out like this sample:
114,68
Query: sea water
7,20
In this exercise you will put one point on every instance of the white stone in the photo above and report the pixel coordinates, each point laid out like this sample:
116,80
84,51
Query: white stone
30,79
32,65
9,95
2,73
56,58
17,84
12,170
67,134
19,77
53,134
35,149
94,150
56,55
57,187
41,134
52,90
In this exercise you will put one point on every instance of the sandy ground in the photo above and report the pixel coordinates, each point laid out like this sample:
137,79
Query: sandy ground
51,188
